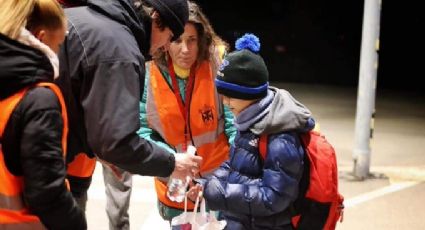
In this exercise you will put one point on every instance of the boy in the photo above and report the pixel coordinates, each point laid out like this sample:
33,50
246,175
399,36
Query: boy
250,192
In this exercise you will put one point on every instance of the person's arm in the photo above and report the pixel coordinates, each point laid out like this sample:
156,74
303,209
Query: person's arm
43,163
144,131
110,101
273,193
222,172
111,113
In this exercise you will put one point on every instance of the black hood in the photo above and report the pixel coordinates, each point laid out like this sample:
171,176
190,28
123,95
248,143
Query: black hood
21,66
124,12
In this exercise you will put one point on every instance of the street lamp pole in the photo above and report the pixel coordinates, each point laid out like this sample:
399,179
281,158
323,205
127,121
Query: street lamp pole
366,89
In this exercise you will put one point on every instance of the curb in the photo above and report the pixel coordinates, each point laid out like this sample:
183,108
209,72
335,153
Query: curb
394,173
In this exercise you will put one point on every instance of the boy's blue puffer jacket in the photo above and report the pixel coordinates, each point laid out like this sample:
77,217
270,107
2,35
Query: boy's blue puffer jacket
250,197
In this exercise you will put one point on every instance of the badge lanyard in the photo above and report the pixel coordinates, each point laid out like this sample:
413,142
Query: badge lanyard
184,107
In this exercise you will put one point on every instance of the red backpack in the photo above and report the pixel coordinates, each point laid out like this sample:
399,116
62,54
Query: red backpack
319,204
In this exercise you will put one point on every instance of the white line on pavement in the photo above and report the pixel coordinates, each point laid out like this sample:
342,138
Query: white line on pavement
378,193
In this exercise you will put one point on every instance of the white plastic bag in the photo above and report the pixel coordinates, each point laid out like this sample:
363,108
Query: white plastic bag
212,222
197,220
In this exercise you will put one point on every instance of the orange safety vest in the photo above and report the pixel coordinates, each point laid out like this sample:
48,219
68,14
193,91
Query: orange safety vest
82,166
206,121
13,211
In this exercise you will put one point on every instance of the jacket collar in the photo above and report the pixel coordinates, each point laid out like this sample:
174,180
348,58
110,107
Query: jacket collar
21,66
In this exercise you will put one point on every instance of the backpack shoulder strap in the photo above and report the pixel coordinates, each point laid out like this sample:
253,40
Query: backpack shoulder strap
262,146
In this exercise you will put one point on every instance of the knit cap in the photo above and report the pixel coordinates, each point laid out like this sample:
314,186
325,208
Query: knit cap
174,14
243,73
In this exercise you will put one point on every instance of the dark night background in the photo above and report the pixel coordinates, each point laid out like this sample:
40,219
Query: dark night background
313,41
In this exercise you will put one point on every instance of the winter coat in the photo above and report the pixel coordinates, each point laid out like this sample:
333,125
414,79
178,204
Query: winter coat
31,141
253,193
101,77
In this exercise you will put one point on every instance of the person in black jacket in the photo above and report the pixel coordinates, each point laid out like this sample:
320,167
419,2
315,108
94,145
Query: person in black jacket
32,143
102,69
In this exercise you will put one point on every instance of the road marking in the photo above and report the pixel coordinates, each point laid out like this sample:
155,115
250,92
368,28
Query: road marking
378,193
407,173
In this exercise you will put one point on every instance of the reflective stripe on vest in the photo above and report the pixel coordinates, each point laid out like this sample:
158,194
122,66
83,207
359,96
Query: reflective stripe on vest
31,225
14,203
206,120
13,211
206,138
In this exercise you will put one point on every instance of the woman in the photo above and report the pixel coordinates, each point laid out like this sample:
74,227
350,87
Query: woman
180,105
33,123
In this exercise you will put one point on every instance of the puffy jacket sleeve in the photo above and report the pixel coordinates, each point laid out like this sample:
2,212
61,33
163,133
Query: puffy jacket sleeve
43,164
111,113
145,131
271,193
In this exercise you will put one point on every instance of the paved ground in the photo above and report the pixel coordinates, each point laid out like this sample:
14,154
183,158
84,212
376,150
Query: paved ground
394,198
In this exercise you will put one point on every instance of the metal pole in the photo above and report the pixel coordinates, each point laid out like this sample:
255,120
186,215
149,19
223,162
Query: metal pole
367,88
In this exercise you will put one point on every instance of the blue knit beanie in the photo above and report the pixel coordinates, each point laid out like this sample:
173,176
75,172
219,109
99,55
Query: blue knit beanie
243,73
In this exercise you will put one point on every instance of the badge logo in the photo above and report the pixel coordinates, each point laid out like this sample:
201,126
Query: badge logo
207,115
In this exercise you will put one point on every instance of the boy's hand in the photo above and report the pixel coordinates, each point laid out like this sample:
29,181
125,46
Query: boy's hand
193,192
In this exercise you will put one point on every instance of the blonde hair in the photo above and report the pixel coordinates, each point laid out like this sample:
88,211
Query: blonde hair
14,15
47,14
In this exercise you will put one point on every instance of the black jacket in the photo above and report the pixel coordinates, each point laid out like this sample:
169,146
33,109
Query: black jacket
31,140
101,76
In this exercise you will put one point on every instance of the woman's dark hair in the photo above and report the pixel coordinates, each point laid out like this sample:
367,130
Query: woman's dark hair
208,40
